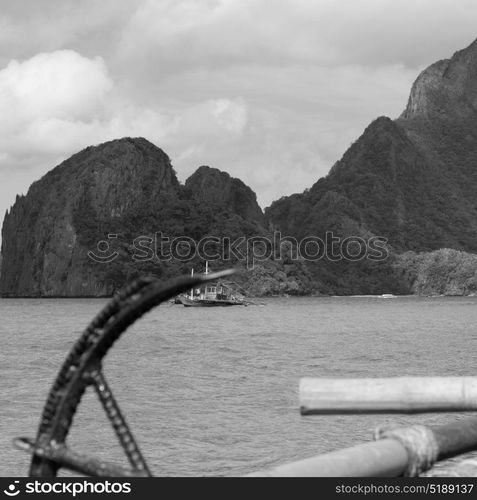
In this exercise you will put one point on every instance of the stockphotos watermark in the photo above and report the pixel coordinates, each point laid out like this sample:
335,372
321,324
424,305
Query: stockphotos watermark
72,488
251,250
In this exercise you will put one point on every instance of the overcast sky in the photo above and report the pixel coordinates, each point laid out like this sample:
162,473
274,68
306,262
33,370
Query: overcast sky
271,91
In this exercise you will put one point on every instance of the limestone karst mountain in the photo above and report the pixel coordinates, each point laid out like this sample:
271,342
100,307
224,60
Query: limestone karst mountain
412,180
126,188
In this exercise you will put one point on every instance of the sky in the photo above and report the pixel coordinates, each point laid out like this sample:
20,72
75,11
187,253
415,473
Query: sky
271,91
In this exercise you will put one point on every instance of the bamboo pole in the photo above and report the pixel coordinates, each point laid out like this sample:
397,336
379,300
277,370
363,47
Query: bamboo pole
383,458
387,395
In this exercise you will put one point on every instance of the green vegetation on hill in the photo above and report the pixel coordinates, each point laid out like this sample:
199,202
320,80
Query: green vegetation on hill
442,272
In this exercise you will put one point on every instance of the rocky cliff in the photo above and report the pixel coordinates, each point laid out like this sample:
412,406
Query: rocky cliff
217,189
446,90
114,192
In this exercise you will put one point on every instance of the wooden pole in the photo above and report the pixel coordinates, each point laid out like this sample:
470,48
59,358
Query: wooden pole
383,458
387,395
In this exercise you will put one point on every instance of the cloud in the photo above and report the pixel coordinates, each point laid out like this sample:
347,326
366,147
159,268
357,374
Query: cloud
167,36
170,36
7,30
299,120
60,102
50,100
29,27
61,84
212,118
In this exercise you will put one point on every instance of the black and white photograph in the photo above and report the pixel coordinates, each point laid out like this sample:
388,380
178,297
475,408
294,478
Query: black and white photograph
238,239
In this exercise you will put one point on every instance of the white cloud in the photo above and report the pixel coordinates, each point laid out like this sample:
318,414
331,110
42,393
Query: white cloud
212,118
61,101
49,99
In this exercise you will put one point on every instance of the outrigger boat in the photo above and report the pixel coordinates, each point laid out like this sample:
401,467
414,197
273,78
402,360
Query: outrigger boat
212,294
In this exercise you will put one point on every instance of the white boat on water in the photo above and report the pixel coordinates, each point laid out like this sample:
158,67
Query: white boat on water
216,294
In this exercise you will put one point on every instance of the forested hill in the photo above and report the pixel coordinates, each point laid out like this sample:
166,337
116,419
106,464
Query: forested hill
126,188
412,180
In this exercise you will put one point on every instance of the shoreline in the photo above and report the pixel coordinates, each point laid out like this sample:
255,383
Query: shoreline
284,296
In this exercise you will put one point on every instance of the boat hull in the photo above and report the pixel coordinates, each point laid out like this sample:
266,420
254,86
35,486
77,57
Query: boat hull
209,302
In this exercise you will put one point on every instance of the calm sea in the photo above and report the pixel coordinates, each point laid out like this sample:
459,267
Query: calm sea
214,391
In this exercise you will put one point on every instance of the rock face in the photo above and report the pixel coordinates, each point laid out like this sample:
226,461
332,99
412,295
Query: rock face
412,180
42,237
125,187
446,89
212,187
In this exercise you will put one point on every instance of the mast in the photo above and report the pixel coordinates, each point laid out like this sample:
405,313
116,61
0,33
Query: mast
192,289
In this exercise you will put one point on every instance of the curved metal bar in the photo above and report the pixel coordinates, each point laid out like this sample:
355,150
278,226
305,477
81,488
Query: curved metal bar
77,462
93,330
86,355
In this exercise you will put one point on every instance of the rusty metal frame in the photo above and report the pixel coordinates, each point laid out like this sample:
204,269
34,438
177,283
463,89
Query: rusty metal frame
82,368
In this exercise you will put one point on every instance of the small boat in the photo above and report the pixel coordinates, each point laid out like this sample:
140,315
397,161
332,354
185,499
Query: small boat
387,296
198,302
213,294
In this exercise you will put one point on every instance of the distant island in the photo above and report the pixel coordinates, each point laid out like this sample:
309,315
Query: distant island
411,181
